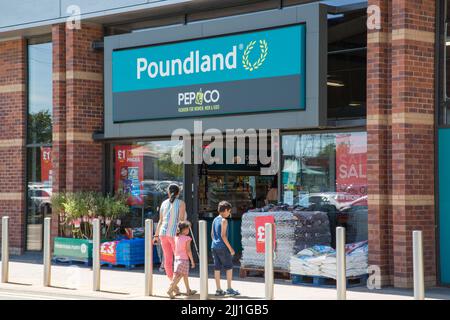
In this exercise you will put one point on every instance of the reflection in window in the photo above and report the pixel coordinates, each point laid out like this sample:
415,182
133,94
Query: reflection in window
327,172
39,193
347,66
446,69
145,170
40,93
39,138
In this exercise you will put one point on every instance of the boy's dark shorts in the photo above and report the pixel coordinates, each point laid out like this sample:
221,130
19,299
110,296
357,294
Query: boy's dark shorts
222,259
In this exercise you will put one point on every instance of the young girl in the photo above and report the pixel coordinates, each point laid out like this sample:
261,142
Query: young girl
183,255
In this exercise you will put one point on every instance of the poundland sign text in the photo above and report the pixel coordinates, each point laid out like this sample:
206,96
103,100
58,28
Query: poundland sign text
256,71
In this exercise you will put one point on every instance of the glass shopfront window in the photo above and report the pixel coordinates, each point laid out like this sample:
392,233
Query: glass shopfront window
40,93
327,172
445,63
39,193
39,138
144,170
347,66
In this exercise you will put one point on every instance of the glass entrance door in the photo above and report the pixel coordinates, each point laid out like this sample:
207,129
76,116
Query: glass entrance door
244,189
240,183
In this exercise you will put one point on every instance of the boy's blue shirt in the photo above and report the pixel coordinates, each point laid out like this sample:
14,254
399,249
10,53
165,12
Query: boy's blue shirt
217,241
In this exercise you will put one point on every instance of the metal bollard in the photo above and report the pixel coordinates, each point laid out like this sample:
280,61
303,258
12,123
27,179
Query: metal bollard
148,257
341,277
5,250
96,255
203,260
268,270
419,280
47,252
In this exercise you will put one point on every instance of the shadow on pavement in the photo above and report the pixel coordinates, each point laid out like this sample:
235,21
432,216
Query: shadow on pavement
20,283
433,293
28,257
115,292
65,288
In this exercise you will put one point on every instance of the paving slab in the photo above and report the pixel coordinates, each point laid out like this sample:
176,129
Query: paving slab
75,282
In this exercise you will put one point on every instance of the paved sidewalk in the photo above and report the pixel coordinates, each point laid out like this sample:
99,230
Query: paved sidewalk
74,282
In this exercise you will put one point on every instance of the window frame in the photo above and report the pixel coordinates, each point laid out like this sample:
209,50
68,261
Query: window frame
442,98
47,38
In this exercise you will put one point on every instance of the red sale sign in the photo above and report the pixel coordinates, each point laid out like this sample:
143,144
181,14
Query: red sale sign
351,166
260,228
108,252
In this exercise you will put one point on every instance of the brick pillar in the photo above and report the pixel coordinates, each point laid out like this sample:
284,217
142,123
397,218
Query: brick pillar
379,144
84,103
12,138
59,107
413,39
59,114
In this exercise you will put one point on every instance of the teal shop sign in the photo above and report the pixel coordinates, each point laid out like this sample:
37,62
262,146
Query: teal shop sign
256,71
444,205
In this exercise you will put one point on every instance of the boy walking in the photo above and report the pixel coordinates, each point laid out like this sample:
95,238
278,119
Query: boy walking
221,249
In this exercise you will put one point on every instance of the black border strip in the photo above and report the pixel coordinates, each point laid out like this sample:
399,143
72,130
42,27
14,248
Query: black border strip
189,39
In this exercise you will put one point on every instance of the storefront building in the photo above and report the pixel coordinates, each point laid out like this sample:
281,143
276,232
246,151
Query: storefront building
356,102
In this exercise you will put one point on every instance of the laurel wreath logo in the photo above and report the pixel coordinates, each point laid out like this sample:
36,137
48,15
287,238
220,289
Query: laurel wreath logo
264,48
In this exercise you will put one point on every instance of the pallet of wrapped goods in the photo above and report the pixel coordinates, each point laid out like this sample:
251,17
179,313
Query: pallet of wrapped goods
312,228
320,261
285,240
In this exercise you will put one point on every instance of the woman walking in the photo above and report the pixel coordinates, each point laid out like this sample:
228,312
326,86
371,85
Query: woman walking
173,211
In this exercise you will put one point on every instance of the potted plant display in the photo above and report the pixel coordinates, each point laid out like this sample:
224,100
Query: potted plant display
76,212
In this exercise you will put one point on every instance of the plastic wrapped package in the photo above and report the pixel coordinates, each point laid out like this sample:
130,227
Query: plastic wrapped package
321,261
285,224
313,228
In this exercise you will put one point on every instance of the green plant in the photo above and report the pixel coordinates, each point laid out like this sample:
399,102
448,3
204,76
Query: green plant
95,203
74,206
115,207
57,201
80,208
120,205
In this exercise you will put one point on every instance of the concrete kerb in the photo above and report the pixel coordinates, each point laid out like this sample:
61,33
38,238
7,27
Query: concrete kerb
125,285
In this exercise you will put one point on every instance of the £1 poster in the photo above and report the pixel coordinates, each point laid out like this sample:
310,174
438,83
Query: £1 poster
129,172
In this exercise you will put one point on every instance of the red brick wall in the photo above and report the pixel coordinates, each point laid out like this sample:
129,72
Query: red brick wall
413,135
84,103
12,138
379,143
77,110
77,113
59,107
401,138
59,115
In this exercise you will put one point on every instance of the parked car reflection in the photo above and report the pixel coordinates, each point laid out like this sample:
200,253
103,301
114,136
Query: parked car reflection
353,215
146,205
39,203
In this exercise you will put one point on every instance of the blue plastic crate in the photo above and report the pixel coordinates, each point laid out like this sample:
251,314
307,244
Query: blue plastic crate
131,252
